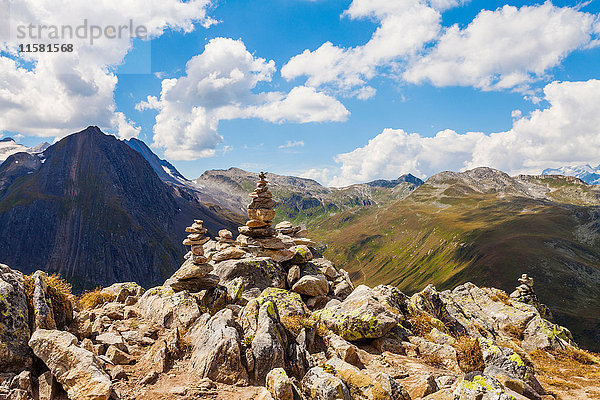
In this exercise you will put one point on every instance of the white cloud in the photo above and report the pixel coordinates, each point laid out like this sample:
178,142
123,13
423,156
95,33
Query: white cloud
290,144
505,49
53,94
404,28
218,85
508,48
566,132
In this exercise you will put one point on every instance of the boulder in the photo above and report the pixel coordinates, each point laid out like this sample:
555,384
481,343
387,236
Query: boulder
47,386
269,343
541,334
312,285
228,254
169,309
289,304
302,254
42,304
257,273
118,356
123,290
362,385
14,329
157,358
320,385
293,275
76,369
111,339
338,347
358,317
476,386
280,385
326,267
217,350
189,277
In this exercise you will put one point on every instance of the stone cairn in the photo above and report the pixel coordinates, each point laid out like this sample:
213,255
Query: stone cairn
525,294
225,240
196,240
258,231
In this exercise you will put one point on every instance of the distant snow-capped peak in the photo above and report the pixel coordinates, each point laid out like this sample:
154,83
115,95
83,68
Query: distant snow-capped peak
8,147
586,173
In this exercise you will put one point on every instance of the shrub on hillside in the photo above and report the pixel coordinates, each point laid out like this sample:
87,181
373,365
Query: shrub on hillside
95,298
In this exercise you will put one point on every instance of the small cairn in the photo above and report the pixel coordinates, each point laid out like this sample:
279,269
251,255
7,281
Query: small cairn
196,240
525,294
225,240
258,230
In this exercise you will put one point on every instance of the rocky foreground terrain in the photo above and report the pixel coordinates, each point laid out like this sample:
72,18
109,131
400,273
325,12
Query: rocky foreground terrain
266,316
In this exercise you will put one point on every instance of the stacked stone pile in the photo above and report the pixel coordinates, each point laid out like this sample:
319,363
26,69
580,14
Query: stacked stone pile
225,247
525,294
258,233
196,240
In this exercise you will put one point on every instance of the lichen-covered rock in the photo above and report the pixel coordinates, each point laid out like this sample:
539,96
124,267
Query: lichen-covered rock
475,386
14,316
447,354
42,305
167,308
541,334
288,303
326,267
320,385
280,385
269,343
302,254
217,350
123,290
502,361
358,317
257,273
76,369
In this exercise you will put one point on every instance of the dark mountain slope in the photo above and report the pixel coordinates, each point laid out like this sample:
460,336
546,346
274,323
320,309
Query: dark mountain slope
96,212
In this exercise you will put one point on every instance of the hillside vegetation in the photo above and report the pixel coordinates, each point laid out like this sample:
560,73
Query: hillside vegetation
485,227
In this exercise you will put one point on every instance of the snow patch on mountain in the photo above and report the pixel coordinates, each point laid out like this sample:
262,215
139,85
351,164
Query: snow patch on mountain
587,173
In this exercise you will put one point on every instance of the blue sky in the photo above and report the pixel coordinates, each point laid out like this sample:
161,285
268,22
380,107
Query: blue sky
421,103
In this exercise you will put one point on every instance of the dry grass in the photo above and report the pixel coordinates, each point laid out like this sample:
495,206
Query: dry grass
420,324
568,373
432,359
470,357
500,296
514,331
95,298
58,291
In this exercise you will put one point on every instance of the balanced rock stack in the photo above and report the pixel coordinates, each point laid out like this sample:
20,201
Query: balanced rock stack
225,240
258,231
196,240
525,294
260,210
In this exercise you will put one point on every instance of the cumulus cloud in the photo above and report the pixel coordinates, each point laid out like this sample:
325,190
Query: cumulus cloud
566,132
506,48
219,85
404,28
53,94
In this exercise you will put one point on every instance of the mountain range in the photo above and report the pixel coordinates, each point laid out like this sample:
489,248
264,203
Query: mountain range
94,210
485,227
100,210
586,173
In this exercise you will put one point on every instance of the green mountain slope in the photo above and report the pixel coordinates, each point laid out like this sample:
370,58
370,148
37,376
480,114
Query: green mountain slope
486,227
